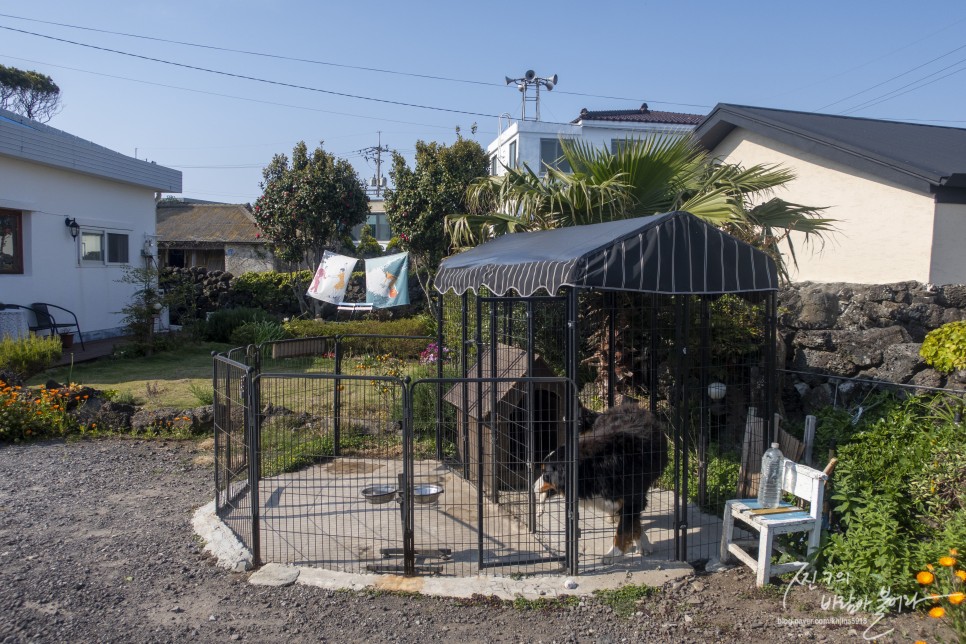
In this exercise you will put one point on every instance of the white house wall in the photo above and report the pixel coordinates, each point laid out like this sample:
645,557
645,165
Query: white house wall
528,134
52,269
884,231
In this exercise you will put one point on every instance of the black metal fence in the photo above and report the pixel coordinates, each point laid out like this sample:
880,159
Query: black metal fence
402,454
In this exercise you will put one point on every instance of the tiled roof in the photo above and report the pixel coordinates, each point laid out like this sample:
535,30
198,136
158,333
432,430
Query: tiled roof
197,222
640,115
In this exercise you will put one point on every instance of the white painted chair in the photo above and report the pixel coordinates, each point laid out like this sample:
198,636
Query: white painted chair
802,481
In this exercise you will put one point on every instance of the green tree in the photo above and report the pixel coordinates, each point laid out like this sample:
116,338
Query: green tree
644,177
309,206
422,198
29,93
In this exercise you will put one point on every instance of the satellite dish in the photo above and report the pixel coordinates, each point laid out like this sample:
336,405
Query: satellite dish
530,75
553,79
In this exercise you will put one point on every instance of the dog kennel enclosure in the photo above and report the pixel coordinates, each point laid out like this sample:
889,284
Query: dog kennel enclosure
419,455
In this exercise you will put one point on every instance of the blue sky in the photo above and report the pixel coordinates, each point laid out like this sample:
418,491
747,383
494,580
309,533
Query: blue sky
900,60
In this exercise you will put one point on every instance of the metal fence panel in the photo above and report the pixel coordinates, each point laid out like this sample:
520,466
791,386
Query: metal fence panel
231,382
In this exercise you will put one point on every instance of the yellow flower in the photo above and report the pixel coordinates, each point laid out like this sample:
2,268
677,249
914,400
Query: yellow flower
920,642
961,574
925,577
937,612
956,598
949,562
953,552
929,567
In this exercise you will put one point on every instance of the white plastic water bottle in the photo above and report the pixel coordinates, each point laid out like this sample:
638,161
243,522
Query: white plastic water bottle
770,484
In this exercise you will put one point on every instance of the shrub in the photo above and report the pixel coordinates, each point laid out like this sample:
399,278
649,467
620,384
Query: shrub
204,394
30,355
270,291
368,246
223,323
944,348
257,332
899,499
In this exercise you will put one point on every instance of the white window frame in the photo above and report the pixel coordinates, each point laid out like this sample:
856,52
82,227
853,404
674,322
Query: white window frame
103,233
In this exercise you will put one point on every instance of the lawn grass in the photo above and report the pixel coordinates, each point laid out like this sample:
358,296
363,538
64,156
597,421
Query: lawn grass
161,380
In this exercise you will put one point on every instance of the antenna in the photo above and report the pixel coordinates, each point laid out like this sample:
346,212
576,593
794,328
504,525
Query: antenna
530,79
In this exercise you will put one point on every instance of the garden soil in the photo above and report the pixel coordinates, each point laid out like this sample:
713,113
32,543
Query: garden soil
96,545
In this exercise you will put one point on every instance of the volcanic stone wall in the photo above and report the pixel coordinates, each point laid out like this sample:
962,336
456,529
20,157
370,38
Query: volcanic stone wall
837,330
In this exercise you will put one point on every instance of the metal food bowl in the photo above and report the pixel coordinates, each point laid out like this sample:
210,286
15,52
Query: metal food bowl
379,494
427,493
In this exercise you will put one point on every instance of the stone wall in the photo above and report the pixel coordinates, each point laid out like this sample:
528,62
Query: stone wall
863,331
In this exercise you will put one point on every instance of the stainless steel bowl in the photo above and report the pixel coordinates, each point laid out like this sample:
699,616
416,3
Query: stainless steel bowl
379,494
427,493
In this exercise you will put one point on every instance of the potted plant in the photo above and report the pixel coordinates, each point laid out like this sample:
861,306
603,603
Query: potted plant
67,340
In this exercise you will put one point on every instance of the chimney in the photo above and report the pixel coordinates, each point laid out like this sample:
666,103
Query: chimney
643,108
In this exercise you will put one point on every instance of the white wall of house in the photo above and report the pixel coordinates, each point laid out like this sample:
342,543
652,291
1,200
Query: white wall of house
886,232
525,136
53,269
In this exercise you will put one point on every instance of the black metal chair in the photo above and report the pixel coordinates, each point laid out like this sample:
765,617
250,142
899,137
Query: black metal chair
47,322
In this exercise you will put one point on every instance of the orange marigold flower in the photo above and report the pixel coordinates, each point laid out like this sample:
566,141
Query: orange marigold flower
929,567
949,562
920,642
937,612
925,577
956,598
961,574
953,552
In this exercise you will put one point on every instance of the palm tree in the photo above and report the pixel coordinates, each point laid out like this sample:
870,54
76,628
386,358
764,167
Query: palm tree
644,177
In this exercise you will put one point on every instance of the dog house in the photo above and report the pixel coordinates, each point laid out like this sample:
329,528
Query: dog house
667,309
516,420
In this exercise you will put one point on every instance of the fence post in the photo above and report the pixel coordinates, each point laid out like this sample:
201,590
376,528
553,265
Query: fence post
810,423
337,401
254,458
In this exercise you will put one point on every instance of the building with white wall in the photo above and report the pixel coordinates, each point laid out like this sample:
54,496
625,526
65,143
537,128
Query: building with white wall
50,179
537,143
896,190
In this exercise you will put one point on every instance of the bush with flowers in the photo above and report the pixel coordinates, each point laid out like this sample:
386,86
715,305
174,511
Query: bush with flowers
433,354
899,498
38,413
944,589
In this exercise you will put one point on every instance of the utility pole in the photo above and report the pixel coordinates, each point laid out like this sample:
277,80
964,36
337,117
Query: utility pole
378,183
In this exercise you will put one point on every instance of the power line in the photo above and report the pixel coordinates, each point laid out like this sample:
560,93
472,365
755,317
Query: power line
311,61
896,92
889,80
251,78
231,96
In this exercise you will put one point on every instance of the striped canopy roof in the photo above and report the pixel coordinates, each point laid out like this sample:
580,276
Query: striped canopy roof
673,253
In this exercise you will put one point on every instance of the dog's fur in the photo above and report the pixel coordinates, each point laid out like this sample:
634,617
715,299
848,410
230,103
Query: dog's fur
617,462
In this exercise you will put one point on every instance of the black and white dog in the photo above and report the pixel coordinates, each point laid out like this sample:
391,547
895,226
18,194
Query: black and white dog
617,462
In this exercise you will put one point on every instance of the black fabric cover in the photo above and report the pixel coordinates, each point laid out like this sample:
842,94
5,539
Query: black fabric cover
671,253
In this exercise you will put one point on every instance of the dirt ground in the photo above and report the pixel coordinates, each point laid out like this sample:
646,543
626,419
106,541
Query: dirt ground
96,545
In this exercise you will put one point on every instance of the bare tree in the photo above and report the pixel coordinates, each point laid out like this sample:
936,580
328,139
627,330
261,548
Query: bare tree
29,93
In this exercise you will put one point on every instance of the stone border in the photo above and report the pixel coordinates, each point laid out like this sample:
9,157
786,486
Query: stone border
219,540
222,544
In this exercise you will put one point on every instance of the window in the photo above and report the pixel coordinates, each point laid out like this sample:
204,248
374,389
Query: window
512,160
100,247
616,145
11,242
551,155
117,248
494,165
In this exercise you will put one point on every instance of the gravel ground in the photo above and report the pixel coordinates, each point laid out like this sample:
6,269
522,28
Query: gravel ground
96,545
